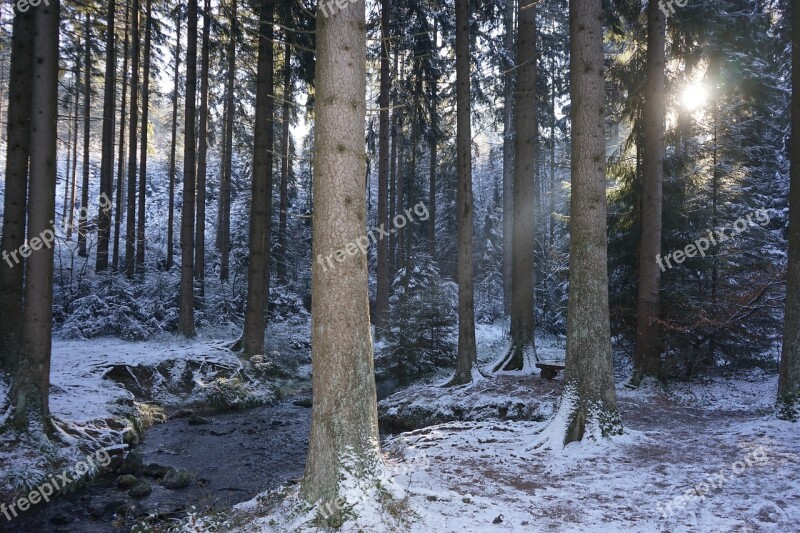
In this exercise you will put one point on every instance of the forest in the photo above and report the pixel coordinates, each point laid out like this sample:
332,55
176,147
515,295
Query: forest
419,265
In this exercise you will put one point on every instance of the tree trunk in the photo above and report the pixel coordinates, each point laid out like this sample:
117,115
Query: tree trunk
130,223
121,148
15,199
467,355
73,193
262,188
140,217
382,273
789,387
647,357
87,107
344,426
224,237
285,164
31,382
433,141
173,147
393,169
526,150
202,158
107,157
589,398
186,303
508,155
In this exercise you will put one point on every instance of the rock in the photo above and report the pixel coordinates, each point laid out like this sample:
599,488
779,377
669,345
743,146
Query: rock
60,519
132,464
303,402
183,413
126,481
195,420
155,470
141,489
176,479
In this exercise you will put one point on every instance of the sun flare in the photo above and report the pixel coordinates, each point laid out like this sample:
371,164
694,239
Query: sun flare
694,96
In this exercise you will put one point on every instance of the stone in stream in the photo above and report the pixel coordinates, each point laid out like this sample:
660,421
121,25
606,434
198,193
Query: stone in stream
176,479
195,420
155,470
141,489
132,464
303,402
126,481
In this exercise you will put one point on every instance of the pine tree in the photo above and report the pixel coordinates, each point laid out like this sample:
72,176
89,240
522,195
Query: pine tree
107,156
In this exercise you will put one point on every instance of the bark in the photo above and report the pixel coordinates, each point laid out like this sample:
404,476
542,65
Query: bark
31,384
130,227
526,149
589,397
262,186
107,157
173,147
508,155
789,386
224,226
285,164
16,186
202,157
647,356
382,273
121,147
186,301
75,118
87,107
393,170
140,218
467,355
344,426
433,141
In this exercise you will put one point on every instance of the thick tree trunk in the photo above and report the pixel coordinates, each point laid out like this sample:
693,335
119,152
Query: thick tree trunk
202,158
87,107
15,199
186,302
433,141
508,154
344,426
647,357
285,163
262,188
383,285
140,218
130,223
589,399
467,354
393,169
526,150
789,387
121,148
107,157
224,229
31,381
173,147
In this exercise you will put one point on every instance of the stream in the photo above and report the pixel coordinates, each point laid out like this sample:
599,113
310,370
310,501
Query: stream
232,458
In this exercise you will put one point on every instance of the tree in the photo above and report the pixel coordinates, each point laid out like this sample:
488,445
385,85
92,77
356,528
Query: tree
107,155
286,162
87,116
526,147
382,273
202,156
648,347
31,381
130,226
121,147
589,399
344,424
16,185
789,387
173,145
224,209
508,152
258,263
467,353
140,218
186,302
